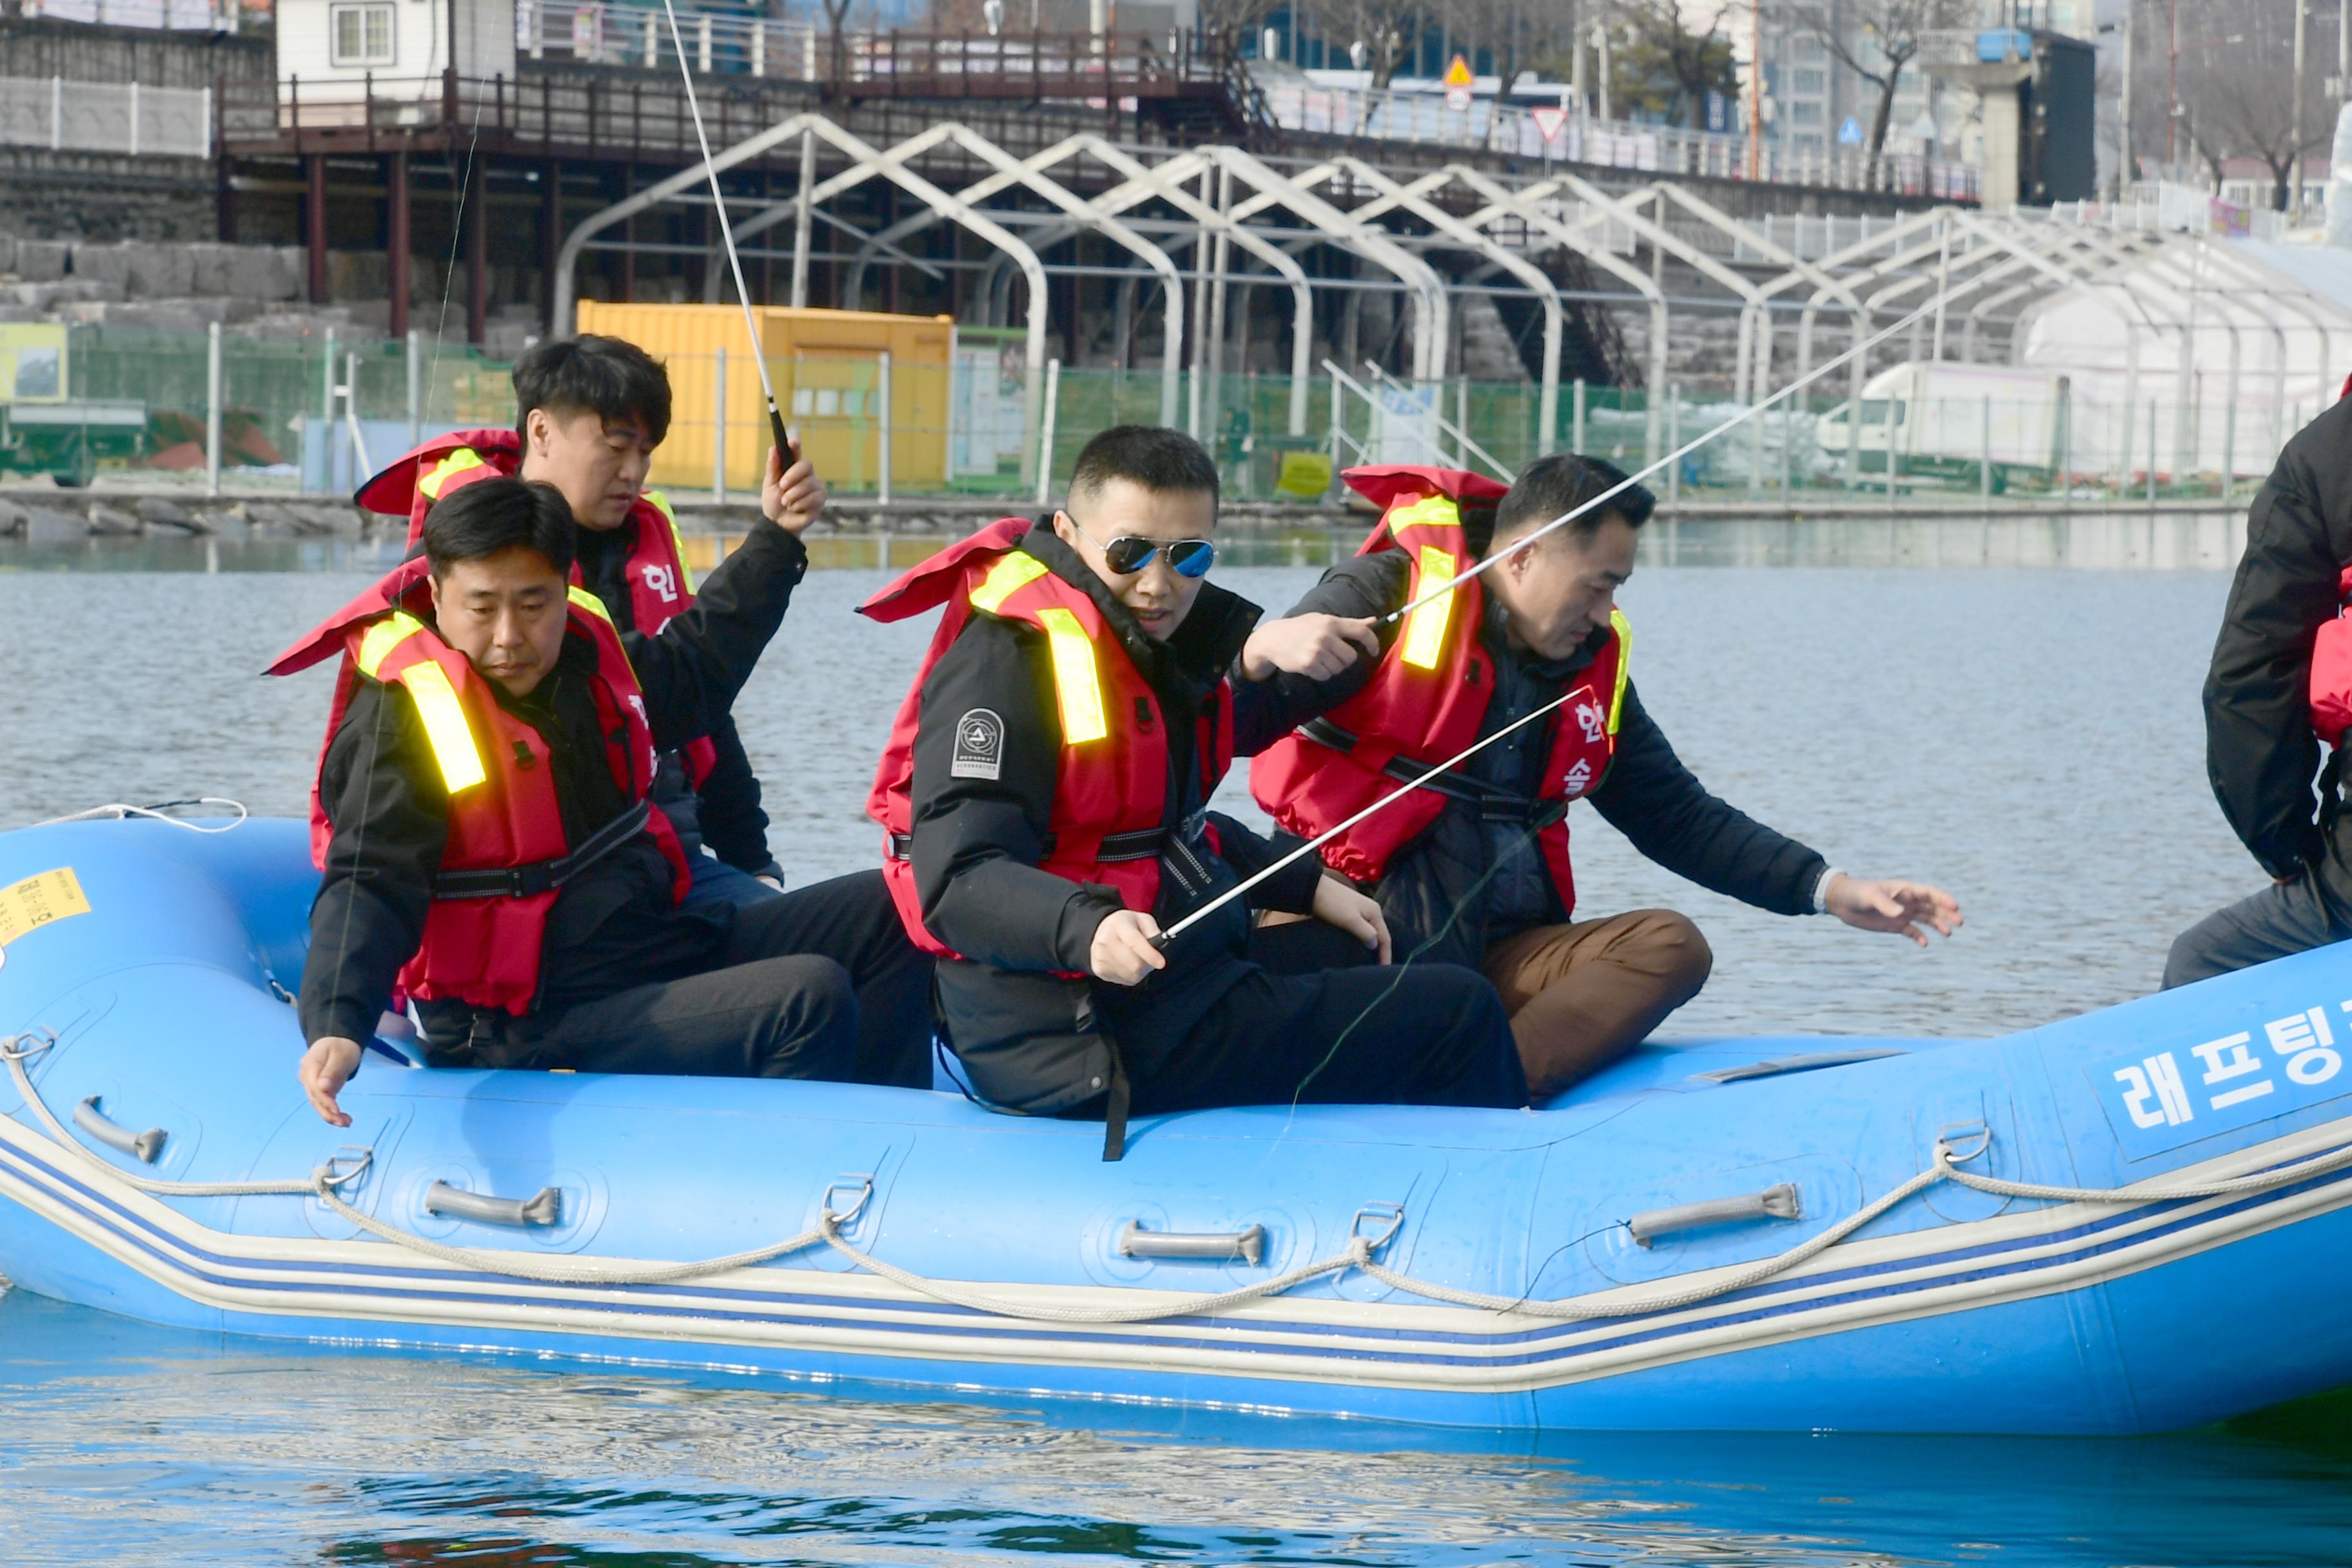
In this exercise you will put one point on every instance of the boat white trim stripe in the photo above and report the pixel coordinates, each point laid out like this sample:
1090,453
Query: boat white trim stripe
1800,1307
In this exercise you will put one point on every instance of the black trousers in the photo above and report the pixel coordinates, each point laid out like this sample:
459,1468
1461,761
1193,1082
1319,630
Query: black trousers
1431,1034
2286,918
819,983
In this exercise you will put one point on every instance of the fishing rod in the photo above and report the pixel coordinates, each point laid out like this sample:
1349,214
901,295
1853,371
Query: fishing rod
1676,456
1320,839
726,232
1164,938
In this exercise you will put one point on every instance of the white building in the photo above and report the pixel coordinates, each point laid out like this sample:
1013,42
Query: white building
336,48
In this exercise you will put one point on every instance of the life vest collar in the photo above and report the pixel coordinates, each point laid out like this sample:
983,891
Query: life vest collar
394,490
1383,484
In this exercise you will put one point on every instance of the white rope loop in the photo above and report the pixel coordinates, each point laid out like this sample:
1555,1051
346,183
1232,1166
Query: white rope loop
116,811
1949,1157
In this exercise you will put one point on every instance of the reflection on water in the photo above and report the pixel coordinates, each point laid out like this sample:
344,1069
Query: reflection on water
118,1438
2031,739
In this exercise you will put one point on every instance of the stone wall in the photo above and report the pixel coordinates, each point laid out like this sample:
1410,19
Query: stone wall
77,51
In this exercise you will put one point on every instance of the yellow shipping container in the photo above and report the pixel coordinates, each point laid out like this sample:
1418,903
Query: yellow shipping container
826,367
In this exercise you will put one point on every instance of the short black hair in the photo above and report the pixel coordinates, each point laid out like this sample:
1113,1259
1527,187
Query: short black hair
1151,456
490,515
609,377
1555,486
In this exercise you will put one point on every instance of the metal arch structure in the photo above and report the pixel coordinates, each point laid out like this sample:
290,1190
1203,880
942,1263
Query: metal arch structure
1412,198
1276,190
1502,204
872,163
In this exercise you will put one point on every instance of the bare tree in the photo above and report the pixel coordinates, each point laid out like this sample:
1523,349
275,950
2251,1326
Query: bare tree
1894,29
2240,108
1675,56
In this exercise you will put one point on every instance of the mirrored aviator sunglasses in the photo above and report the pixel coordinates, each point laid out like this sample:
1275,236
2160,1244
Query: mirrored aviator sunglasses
1186,557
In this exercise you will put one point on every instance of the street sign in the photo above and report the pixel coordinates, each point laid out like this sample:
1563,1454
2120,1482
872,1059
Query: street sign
1924,128
1550,121
1456,81
1849,134
1718,112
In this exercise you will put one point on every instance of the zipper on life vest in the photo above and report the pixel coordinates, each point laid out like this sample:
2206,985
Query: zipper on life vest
524,757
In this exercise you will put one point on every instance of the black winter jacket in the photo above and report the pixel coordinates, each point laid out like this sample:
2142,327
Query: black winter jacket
724,812
614,927
1030,1038
1648,794
2259,749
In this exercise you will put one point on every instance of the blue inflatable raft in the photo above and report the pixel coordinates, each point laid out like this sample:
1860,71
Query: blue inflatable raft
2125,1222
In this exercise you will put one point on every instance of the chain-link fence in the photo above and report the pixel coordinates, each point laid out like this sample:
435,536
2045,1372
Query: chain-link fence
316,416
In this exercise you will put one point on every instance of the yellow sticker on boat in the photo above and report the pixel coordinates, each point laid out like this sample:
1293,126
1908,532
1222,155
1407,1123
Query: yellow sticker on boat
38,901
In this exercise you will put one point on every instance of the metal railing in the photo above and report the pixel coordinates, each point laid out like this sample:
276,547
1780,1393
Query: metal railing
911,62
1511,129
181,16
105,117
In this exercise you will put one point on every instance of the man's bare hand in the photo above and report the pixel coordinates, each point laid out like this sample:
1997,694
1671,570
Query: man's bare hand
792,498
1339,904
326,1067
1122,953
1317,647
1902,907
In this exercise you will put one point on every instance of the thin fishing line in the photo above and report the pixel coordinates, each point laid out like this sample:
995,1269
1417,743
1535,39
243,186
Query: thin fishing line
727,233
1440,590
1461,905
1320,839
1677,455
449,271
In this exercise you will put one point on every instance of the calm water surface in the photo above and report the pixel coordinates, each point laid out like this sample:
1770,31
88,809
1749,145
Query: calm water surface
2030,739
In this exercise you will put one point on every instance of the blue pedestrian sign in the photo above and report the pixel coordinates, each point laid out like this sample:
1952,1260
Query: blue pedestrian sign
1849,134
1719,113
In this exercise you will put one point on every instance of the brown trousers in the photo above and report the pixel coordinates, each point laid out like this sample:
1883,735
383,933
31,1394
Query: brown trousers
1581,995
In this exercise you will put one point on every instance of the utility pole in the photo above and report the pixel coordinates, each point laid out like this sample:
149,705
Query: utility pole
2172,89
2126,170
2294,191
1756,90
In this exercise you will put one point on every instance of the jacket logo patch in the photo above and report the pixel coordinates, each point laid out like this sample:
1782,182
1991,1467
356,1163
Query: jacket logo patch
979,745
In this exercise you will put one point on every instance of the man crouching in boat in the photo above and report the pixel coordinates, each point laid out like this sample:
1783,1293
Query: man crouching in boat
589,413
1043,797
1474,866
481,817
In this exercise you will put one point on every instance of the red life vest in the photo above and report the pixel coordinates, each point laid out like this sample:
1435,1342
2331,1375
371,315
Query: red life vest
1110,793
1427,701
660,584
507,855
2331,668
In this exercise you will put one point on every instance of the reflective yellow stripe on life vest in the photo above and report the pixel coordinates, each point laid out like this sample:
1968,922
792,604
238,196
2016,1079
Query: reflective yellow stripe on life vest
677,539
455,463
1624,630
589,603
445,729
1012,573
377,643
444,724
1076,682
1425,632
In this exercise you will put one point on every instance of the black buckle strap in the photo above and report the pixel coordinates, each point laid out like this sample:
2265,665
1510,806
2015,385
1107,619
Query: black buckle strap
1495,804
1143,843
544,876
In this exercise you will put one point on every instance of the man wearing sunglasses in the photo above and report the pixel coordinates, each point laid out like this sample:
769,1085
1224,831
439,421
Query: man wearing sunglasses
1046,795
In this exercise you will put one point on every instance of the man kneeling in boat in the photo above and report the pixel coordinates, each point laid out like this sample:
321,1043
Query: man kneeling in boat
1044,796
481,816
589,413
1474,866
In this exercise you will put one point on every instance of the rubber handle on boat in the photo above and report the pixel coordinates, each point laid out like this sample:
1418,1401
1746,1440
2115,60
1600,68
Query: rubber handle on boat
544,1207
1248,1245
146,1147
1773,1203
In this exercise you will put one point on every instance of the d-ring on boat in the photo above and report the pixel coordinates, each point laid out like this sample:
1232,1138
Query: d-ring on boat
2128,1221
